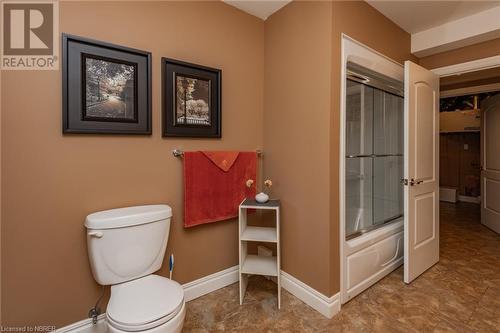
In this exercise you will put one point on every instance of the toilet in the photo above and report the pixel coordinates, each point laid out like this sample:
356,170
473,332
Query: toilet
126,246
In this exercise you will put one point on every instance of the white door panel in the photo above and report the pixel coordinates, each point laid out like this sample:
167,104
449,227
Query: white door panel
424,132
421,170
491,195
490,160
424,211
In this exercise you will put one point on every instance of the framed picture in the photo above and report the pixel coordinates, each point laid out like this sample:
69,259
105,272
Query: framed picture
106,88
191,100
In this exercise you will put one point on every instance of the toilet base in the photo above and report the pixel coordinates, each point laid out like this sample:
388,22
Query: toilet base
174,325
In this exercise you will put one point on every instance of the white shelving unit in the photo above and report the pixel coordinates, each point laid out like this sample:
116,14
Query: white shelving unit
253,264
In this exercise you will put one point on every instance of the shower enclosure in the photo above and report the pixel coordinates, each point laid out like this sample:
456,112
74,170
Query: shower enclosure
389,175
374,151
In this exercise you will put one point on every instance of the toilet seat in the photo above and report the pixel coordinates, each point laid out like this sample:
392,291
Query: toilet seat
144,303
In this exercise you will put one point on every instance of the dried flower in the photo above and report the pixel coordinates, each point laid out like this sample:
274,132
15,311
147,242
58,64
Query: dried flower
250,182
268,183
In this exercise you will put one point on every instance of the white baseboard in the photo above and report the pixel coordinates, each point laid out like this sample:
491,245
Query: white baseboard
86,326
465,198
327,306
448,194
209,283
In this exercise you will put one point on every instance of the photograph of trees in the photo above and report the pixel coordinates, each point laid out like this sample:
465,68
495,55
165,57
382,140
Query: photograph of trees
192,101
109,90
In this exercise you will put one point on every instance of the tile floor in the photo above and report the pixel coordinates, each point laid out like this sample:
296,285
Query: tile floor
459,294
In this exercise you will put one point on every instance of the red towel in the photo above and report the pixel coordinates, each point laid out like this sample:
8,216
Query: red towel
215,184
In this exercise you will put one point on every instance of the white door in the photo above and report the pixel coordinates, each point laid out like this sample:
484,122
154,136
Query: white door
421,222
490,162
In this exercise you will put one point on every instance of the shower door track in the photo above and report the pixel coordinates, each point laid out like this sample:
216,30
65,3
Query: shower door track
368,79
373,227
373,155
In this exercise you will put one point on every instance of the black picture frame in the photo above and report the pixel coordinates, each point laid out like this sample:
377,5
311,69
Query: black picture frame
135,78
203,125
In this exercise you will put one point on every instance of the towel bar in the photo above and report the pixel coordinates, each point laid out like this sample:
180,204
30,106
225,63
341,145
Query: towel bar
180,153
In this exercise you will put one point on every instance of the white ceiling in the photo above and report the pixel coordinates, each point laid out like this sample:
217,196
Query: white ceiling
417,16
260,8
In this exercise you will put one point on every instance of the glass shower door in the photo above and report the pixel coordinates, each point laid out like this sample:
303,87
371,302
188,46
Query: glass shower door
374,158
359,164
388,157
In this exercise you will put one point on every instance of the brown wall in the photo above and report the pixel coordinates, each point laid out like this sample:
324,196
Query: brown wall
51,182
460,167
468,53
384,36
296,134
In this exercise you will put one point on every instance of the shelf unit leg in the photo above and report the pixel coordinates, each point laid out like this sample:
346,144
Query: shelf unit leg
279,291
278,255
243,286
242,247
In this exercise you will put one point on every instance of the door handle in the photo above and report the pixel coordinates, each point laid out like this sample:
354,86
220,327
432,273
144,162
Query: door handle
411,182
96,234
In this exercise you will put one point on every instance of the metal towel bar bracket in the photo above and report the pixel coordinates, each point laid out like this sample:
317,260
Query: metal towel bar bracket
180,153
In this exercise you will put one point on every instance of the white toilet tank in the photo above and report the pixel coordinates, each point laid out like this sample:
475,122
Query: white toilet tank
127,243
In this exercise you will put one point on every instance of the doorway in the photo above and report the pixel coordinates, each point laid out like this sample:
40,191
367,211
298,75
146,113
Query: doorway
469,123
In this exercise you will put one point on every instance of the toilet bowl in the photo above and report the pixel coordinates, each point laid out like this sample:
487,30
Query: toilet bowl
126,246
152,303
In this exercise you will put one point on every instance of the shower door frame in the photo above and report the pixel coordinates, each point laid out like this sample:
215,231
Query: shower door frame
357,50
360,54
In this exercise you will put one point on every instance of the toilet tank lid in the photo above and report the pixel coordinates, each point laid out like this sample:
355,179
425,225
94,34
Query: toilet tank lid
127,216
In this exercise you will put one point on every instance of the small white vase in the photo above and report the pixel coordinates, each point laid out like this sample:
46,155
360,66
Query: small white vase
262,197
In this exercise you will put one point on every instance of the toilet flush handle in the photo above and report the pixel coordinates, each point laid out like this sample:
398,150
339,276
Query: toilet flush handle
96,234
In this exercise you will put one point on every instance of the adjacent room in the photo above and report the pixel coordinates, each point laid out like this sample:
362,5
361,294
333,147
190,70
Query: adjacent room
249,166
